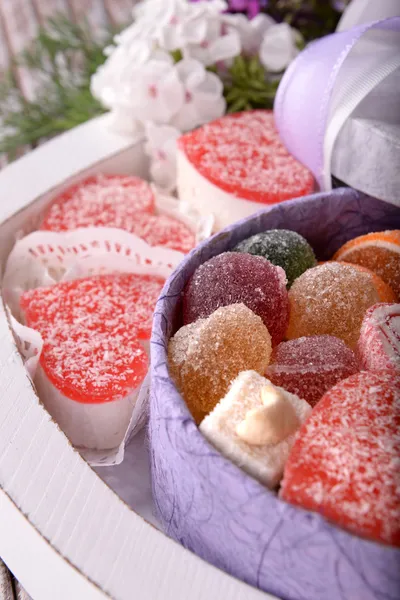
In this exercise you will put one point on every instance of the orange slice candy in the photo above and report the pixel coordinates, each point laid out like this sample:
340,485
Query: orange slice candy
379,252
345,463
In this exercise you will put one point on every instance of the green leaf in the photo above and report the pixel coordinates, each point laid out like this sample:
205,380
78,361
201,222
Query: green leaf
62,102
176,55
237,106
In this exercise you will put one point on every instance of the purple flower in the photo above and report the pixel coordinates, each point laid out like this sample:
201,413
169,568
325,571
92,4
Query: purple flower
250,7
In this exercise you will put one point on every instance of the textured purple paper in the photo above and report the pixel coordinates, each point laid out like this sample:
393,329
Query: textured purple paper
211,506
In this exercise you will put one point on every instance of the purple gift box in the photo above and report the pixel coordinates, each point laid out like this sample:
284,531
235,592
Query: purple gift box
207,503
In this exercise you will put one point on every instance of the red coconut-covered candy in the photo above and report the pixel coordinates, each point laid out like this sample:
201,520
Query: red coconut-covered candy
345,461
92,363
102,303
163,230
124,202
100,200
379,342
233,278
310,366
235,164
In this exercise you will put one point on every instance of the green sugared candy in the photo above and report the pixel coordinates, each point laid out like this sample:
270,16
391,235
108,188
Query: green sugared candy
283,248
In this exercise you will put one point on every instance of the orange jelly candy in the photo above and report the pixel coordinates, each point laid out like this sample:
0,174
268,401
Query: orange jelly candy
379,252
332,299
345,462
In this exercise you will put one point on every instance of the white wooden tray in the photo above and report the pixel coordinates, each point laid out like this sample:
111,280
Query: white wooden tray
63,532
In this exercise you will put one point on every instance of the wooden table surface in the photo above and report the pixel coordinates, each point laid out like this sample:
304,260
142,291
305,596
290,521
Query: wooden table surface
19,24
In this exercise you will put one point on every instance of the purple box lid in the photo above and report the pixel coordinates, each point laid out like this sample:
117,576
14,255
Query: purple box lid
210,505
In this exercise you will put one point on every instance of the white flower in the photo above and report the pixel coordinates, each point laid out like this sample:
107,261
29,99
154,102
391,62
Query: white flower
172,24
140,82
251,31
147,91
119,69
156,93
161,148
218,44
278,47
203,98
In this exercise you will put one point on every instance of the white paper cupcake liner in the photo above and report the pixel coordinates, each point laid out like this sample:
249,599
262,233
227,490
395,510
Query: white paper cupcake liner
44,258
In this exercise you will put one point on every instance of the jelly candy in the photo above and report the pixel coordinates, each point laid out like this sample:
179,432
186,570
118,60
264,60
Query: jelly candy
103,303
90,328
101,200
332,299
162,230
379,252
117,201
286,249
243,155
345,460
310,366
254,425
205,356
231,278
379,343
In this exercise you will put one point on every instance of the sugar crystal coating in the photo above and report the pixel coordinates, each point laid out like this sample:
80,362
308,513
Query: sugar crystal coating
345,461
90,329
284,248
379,342
163,230
124,202
103,200
231,278
242,154
332,299
310,366
379,252
264,462
205,356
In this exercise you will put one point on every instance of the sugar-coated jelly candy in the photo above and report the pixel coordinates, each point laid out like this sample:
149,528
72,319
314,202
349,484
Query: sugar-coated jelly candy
205,356
233,277
345,460
284,248
243,155
379,342
163,230
124,202
101,303
102,200
379,252
92,363
332,299
310,366
254,426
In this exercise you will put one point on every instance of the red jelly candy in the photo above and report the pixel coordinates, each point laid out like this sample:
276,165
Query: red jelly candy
90,329
117,201
345,461
232,278
242,154
105,303
310,366
379,342
162,230
100,200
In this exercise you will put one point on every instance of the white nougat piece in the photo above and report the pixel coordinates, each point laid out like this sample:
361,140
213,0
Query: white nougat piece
243,419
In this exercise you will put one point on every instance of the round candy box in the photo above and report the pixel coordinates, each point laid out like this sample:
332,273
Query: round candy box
210,505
